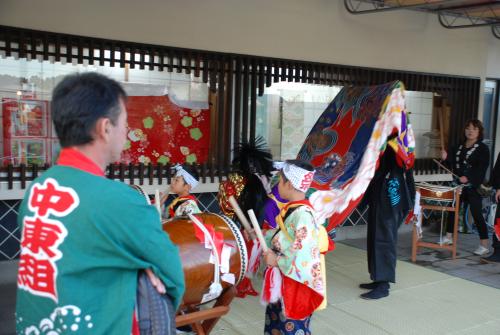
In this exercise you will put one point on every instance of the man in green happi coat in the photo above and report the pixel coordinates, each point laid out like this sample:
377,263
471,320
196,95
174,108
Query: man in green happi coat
86,237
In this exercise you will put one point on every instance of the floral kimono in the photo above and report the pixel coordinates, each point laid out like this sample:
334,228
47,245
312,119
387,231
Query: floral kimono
297,243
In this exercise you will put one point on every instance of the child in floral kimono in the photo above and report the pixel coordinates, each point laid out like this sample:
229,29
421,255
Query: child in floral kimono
294,283
185,180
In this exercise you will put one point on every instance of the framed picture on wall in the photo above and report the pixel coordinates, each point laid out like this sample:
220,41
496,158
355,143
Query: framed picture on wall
28,151
25,131
28,118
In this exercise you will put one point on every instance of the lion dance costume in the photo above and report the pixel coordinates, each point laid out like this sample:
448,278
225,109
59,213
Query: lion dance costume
248,184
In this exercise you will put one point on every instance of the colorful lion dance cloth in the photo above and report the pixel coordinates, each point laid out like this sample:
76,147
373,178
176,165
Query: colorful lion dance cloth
346,142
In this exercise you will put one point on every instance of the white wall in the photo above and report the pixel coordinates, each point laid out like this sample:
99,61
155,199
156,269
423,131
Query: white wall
493,60
314,30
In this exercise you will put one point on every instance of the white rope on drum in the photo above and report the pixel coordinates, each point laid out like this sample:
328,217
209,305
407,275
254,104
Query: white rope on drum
215,288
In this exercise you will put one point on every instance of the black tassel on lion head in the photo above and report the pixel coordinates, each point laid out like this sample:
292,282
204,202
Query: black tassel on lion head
252,166
251,158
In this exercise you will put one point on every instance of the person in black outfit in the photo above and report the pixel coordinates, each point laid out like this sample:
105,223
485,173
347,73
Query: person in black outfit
470,162
495,182
390,196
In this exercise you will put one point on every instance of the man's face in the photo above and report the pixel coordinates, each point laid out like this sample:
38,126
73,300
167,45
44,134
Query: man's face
118,134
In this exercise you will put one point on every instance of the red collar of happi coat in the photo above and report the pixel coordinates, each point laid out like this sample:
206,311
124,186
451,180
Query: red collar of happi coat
76,159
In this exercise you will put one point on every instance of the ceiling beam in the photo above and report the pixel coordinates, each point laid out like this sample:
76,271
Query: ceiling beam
471,6
377,6
485,13
478,15
495,30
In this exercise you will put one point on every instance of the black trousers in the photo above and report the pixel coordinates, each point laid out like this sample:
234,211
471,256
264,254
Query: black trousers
382,233
475,202
496,242
390,197
382,239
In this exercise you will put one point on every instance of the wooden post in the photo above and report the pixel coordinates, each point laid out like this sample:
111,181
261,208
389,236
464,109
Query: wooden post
126,73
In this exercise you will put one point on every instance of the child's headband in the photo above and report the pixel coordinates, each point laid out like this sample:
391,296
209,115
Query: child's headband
187,177
300,178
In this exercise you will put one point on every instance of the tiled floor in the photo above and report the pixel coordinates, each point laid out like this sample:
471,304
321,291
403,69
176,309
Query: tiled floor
436,296
466,266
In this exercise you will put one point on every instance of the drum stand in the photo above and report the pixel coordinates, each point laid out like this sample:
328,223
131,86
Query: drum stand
203,321
454,201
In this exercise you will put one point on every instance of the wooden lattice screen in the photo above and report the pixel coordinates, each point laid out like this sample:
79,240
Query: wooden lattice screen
235,79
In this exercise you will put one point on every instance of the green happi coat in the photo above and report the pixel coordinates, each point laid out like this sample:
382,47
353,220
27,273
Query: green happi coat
94,249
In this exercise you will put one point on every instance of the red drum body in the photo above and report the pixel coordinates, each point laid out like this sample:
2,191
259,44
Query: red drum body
198,271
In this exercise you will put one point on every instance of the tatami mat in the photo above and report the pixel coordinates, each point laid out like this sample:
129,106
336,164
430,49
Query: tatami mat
422,302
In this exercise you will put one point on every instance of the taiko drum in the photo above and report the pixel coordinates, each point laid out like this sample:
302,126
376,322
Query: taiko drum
198,271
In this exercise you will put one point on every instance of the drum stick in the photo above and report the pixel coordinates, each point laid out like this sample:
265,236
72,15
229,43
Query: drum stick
240,214
441,122
444,167
157,201
257,230
165,195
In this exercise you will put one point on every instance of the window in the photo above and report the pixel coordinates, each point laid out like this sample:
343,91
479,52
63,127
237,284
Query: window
168,113
287,112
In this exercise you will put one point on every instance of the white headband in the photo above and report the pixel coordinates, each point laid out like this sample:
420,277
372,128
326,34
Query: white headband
187,177
300,178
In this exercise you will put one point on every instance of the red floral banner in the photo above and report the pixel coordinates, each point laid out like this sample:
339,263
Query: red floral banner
162,132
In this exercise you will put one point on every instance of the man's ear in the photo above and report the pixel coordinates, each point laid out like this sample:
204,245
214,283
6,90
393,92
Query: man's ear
102,128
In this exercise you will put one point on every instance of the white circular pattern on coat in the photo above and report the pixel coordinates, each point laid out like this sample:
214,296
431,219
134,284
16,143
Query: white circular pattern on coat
64,317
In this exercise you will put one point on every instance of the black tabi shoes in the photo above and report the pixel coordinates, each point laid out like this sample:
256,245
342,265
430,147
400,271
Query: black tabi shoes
380,290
